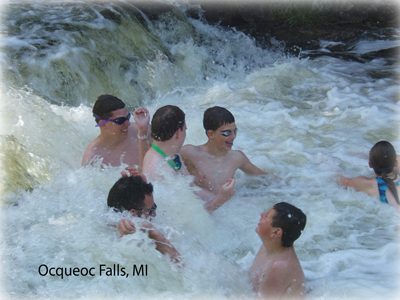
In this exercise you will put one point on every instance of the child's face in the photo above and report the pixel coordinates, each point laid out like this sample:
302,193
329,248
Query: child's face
224,136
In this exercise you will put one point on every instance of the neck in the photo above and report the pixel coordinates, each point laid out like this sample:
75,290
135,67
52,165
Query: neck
273,246
169,147
213,150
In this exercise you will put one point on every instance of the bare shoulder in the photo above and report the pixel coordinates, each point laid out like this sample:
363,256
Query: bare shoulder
189,151
238,155
90,152
285,278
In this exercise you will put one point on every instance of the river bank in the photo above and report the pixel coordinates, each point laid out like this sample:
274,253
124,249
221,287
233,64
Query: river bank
305,26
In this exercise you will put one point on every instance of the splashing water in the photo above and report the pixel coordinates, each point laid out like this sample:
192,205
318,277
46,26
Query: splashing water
303,120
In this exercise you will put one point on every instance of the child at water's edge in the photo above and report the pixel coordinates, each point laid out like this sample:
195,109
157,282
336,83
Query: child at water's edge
276,272
386,185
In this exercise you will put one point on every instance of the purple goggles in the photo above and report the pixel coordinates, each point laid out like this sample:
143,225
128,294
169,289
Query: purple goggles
119,121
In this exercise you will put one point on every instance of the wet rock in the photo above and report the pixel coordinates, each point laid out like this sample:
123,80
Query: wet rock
303,24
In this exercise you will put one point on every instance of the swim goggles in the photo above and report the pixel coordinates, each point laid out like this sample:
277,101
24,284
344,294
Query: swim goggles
150,210
176,163
119,121
228,132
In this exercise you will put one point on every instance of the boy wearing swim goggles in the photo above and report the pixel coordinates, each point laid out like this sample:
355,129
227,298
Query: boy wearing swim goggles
215,162
134,194
120,141
168,131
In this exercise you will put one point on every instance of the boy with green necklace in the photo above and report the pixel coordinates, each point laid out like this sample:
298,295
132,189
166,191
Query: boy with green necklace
168,130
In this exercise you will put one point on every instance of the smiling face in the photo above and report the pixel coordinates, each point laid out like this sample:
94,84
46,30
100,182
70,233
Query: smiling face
116,130
222,142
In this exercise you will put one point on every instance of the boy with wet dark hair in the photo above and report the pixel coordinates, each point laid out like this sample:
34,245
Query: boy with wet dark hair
292,221
168,130
118,142
213,163
168,114
215,117
135,195
129,193
276,272
105,105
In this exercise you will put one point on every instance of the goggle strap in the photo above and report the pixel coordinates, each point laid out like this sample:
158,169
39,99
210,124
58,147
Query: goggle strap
165,156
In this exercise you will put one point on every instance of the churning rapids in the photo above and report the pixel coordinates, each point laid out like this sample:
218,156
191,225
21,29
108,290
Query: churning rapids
304,120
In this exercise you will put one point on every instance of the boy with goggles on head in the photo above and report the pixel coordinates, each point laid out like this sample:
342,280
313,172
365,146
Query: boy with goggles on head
120,141
215,162
135,195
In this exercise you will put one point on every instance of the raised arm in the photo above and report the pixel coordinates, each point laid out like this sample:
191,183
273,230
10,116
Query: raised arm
142,120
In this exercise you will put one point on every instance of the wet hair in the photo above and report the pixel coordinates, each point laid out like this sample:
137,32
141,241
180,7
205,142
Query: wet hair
382,158
166,121
129,193
105,105
291,220
215,117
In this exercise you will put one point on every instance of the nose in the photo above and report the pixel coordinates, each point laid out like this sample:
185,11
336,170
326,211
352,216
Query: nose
154,214
127,123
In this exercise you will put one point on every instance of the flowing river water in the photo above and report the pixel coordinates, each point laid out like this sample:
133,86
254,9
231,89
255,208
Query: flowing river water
304,120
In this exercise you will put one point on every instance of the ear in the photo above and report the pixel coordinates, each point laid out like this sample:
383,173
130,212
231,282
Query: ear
134,212
210,134
369,164
277,233
177,133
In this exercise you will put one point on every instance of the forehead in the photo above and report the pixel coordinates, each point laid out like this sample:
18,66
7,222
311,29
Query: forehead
123,112
271,212
148,201
230,126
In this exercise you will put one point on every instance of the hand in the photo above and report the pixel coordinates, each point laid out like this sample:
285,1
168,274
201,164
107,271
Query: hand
228,189
133,171
126,227
142,119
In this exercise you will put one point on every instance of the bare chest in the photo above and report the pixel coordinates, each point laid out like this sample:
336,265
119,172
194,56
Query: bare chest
125,153
213,173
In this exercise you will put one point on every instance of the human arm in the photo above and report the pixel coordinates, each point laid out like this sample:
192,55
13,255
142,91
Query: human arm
162,243
358,183
224,194
142,120
248,168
